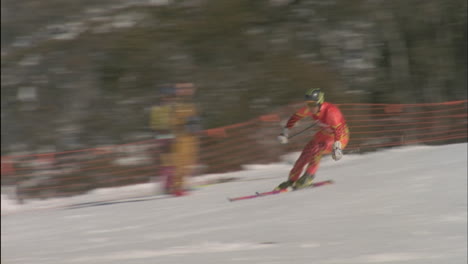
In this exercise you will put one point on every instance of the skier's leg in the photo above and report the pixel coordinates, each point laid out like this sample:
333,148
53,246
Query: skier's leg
184,150
167,172
305,180
306,154
298,167
314,159
166,166
324,147
314,163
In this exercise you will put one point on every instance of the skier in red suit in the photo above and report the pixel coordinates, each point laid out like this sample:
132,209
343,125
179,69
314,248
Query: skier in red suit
332,137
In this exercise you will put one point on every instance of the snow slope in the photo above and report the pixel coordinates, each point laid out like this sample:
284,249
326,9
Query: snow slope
404,205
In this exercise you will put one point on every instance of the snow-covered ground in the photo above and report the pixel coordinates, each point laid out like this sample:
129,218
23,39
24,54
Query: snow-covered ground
404,205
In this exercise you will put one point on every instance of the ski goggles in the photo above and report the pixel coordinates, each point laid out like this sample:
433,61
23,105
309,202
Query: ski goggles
312,103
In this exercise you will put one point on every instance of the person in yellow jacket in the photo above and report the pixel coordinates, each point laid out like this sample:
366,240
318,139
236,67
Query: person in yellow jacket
176,124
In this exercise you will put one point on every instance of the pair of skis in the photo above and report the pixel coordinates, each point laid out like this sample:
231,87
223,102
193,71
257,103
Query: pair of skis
261,194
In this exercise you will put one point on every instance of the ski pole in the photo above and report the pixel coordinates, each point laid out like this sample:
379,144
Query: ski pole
302,131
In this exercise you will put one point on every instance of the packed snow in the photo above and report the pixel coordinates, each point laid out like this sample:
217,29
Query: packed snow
401,205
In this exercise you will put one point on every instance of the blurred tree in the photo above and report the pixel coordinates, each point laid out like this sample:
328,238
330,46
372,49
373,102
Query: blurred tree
96,65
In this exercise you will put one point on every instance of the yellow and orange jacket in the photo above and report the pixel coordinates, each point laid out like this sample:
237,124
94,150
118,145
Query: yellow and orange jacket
177,121
330,120
173,118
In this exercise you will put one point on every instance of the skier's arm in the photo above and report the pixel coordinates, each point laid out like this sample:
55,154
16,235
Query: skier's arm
301,113
335,120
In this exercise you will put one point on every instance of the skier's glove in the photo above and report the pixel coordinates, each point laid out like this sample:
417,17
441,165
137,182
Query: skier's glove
283,137
337,153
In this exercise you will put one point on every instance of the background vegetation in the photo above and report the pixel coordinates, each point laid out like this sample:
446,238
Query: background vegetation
79,74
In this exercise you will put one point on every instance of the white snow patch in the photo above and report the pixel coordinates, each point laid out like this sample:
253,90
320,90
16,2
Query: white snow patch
372,214
402,257
310,245
204,248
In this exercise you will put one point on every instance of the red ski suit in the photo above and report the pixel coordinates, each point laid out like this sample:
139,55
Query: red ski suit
332,128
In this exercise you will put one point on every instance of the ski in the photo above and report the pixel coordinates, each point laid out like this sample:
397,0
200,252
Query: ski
261,194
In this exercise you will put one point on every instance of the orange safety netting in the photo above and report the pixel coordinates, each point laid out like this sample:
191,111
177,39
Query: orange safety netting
372,126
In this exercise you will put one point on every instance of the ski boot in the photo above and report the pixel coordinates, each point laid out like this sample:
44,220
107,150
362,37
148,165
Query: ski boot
284,185
304,181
